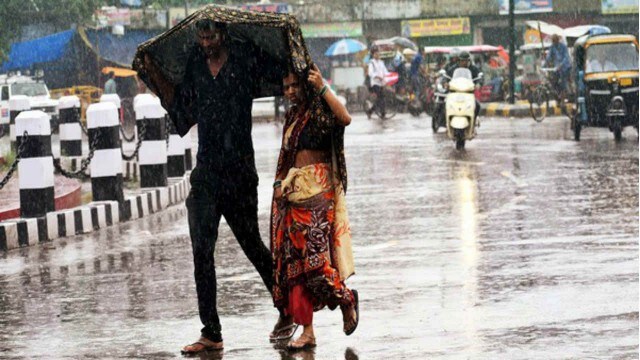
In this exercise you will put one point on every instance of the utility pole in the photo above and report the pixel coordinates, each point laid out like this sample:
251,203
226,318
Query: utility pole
512,53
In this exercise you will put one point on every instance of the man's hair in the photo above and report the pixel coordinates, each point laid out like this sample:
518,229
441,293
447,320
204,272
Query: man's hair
210,25
111,74
374,50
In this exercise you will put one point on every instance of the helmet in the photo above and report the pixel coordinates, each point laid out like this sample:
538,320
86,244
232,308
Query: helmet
464,55
455,53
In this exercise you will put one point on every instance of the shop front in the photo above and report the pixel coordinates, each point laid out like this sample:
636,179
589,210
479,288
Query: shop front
439,32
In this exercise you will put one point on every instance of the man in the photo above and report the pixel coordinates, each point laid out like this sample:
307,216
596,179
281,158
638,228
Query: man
453,60
558,57
600,63
110,86
217,94
377,72
417,72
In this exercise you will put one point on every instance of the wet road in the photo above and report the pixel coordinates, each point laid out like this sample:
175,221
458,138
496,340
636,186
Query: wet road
525,246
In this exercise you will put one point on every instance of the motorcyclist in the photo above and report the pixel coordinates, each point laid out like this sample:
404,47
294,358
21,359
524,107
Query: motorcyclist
465,62
453,60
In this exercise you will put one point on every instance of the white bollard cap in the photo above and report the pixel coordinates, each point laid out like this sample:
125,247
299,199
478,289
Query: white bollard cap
149,108
68,102
34,122
139,97
19,103
111,98
102,114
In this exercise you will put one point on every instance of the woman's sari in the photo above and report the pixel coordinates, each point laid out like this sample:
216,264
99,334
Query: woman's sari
310,234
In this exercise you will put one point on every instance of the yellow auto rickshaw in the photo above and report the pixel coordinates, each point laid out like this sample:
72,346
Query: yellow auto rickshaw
607,82
87,94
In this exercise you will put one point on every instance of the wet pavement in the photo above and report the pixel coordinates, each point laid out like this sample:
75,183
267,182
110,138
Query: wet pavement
524,246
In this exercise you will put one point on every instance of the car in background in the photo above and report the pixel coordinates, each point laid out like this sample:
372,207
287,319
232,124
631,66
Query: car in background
34,89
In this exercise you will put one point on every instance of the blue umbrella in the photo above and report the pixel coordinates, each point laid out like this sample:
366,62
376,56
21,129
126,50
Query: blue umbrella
344,47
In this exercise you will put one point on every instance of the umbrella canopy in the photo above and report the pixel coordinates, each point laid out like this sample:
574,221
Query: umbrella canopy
404,42
275,39
577,31
118,71
344,47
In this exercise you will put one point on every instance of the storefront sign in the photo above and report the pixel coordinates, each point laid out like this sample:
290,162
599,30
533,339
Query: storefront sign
436,27
274,8
619,6
109,16
332,30
526,6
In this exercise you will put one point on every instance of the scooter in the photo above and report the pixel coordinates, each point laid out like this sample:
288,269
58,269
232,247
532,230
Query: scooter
461,107
439,100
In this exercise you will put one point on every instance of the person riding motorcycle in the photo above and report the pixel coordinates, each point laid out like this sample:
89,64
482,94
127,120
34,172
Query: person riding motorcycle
454,56
464,61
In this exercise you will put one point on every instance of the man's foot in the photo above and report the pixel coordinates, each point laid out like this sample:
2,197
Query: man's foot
284,329
305,341
203,344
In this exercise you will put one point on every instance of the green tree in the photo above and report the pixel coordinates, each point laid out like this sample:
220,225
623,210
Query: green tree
60,14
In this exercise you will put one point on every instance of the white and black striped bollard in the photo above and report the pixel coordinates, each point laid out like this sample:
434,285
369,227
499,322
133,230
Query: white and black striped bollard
115,100
106,166
175,151
35,169
152,156
188,160
17,104
70,130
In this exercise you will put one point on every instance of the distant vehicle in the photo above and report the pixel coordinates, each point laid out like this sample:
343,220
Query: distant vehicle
35,90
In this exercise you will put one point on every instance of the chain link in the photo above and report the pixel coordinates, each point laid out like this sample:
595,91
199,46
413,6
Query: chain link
124,135
14,166
141,135
84,164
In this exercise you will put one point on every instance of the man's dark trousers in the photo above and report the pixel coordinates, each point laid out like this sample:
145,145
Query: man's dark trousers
230,192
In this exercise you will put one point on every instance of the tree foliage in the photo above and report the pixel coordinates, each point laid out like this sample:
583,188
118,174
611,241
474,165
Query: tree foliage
59,14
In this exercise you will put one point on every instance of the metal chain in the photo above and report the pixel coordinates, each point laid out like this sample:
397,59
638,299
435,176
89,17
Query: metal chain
80,173
167,127
14,166
140,137
124,135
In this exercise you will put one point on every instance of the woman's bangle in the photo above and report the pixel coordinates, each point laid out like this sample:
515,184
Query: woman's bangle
323,90
277,183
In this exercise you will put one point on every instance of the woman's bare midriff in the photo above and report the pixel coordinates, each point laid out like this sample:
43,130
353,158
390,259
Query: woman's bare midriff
308,157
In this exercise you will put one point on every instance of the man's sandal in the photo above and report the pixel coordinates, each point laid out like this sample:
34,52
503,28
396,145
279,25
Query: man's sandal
303,342
287,333
348,331
203,344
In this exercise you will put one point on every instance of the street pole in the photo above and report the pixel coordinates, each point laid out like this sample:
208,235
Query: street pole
512,53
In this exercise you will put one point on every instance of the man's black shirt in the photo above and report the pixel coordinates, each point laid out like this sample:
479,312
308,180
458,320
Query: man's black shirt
220,106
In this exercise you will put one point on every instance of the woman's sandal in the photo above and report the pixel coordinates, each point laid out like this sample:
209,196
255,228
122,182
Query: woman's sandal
290,331
349,331
301,344
203,344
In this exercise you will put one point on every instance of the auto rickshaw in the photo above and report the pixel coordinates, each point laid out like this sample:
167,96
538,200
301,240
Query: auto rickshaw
607,83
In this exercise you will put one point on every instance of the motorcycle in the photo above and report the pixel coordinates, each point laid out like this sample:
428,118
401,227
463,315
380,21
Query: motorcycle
439,98
460,107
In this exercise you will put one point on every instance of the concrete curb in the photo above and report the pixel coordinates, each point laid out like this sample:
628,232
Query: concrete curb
519,110
93,216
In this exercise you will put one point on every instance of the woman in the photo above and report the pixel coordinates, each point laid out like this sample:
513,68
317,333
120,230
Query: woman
310,235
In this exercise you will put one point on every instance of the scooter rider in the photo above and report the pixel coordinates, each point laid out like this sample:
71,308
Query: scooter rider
464,61
453,60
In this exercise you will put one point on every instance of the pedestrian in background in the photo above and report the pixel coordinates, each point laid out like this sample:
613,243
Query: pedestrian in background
110,86
310,234
377,71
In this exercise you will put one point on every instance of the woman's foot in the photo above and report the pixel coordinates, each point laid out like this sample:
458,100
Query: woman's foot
203,344
284,329
305,341
351,315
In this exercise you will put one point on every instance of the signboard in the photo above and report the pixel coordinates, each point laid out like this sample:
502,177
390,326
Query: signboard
436,27
526,6
335,30
620,6
282,8
109,16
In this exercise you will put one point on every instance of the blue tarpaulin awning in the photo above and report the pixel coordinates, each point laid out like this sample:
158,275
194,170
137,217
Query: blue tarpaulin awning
49,48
